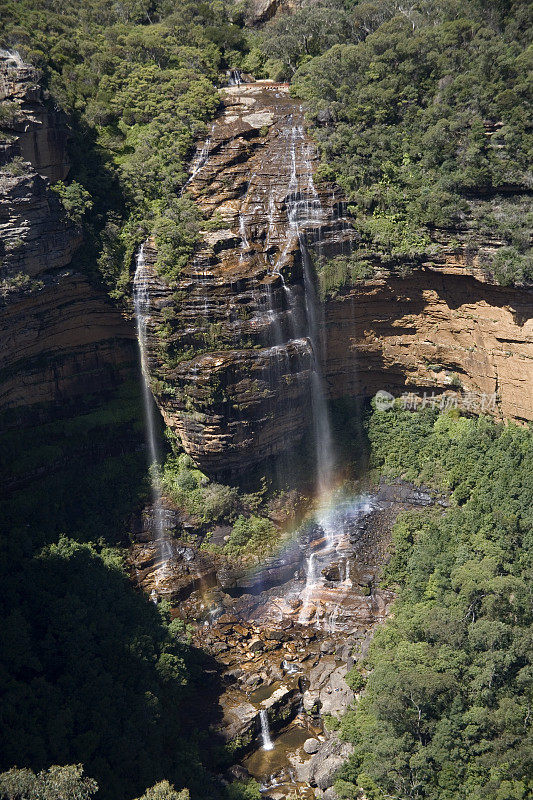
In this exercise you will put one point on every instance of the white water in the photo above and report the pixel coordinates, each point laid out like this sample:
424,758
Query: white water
335,523
333,618
305,210
141,302
310,583
268,744
201,159
235,77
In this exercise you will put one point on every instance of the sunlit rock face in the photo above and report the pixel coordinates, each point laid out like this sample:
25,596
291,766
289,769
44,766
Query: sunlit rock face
234,382
231,347
258,12
436,330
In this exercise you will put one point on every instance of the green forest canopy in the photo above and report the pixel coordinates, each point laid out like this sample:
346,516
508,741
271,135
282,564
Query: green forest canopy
446,713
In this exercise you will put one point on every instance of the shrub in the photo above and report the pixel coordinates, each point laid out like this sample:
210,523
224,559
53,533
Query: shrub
165,791
75,199
341,271
176,234
509,267
250,533
17,167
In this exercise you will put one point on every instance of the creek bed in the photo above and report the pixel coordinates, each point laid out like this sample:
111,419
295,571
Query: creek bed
265,765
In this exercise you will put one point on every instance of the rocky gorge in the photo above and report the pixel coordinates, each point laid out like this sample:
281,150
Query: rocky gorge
231,357
239,353
243,359
283,633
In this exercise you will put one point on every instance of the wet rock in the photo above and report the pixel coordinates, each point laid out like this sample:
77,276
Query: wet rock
253,681
237,773
332,572
231,286
311,746
277,635
219,647
311,703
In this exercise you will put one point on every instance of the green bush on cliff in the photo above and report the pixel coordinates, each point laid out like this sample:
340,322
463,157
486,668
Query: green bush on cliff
251,534
75,199
420,109
446,709
191,490
176,232
340,271
509,266
138,81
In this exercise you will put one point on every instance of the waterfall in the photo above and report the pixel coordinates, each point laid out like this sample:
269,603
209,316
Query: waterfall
304,208
310,583
201,158
332,621
268,744
235,77
141,303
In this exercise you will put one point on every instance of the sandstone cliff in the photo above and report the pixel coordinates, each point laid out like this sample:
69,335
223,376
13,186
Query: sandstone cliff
35,129
434,330
230,344
61,337
232,349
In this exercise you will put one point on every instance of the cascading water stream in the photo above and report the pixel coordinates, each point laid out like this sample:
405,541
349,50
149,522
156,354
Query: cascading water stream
304,209
141,303
268,744
235,77
310,583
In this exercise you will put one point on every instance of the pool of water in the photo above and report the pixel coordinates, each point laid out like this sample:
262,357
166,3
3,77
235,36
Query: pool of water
262,764
263,693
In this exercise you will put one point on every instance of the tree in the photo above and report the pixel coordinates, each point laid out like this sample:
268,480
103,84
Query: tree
165,791
55,783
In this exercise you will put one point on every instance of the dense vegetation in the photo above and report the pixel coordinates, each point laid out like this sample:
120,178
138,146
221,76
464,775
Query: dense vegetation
446,713
92,672
138,81
417,111
60,783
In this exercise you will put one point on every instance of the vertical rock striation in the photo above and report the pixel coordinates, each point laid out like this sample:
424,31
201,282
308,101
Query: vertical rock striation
231,347
36,130
230,344
62,339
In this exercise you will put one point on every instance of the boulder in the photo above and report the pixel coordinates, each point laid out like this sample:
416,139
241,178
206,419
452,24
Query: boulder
323,766
332,572
311,746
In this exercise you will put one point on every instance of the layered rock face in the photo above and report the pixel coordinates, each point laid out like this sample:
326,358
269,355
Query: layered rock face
61,337
38,131
435,330
236,343
258,12
232,343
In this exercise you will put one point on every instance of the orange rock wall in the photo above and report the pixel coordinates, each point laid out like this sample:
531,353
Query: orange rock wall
430,331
